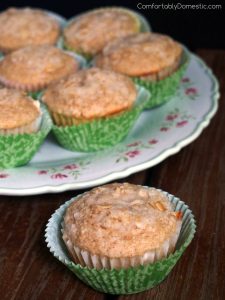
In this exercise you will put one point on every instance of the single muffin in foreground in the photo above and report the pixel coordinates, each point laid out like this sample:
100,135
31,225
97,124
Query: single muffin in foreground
90,107
121,226
19,113
21,27
121,248
88,33
152,60
33,68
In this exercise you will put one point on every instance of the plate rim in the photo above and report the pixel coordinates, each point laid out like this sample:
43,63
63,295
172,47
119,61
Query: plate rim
127,171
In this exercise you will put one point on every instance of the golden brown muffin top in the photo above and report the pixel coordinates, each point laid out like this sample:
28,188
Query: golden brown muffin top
17,109
91,93
37,65
21,27
120,220
90,32
140,54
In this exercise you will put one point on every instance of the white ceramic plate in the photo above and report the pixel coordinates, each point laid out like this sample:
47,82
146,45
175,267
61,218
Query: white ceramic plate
158,133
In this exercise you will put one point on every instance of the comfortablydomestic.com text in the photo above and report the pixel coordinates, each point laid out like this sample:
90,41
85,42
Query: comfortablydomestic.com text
178,6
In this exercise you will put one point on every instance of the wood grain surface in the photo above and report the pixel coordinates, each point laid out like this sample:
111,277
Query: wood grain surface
196,174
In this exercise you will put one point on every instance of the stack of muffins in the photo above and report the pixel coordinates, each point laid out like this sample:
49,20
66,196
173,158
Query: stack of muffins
127,70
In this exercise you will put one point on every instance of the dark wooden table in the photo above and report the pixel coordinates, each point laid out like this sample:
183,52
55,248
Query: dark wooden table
196,174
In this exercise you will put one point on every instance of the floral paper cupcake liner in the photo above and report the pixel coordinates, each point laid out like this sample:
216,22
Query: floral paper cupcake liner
163,90
100,133
122,281
18,149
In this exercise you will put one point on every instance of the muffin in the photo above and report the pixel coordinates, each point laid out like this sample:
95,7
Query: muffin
21,27
121,280
153,60
19,113
120,226
89,94
89,107
24,124
35,67
88,33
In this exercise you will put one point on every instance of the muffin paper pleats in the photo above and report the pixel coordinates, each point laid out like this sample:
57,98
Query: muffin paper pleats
18,149
100,133
163,90
123,281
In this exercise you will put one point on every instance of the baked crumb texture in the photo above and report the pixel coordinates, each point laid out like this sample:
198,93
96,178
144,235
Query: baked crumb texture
19,112
21,27
90,32
151,56
120,225
90,94
35,67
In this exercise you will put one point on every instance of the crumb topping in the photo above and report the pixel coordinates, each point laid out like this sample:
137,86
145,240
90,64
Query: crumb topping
120,220
37,64
140,54
26,26
91,31
17,109
91,94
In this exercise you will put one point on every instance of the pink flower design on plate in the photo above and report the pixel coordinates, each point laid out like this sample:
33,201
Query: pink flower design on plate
153,141
191,91
58,176
133,144
3,175
164,129
181,123
171,117
132,153
185,79
71,167
42,172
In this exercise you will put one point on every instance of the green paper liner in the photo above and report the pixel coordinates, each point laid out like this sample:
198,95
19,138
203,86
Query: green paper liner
103,132
18,149
35,95
163,90
144,27
123,281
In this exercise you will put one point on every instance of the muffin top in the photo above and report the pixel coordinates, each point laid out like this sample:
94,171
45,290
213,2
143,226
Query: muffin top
140,54
90,32
21,27
120,220
17,109
91,93
34,65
